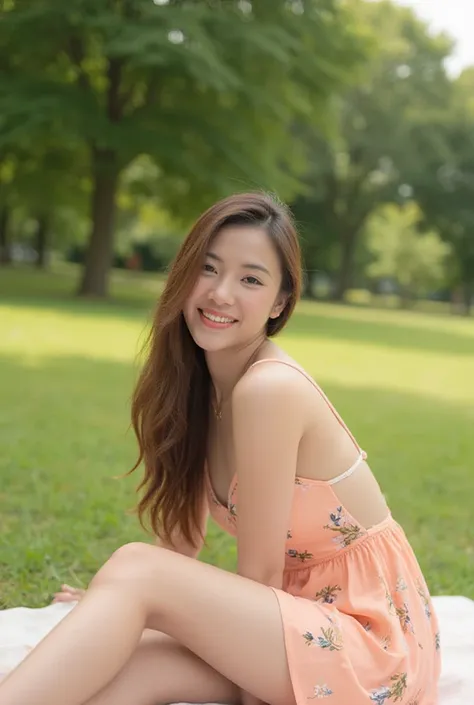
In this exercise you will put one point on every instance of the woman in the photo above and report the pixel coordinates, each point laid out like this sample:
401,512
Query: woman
329,600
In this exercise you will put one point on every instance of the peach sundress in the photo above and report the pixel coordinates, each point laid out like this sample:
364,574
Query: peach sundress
358,621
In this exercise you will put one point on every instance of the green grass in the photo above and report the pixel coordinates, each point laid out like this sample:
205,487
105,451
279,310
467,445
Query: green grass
403,381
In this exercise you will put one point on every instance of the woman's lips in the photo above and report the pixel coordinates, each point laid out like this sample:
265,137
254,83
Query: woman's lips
215,324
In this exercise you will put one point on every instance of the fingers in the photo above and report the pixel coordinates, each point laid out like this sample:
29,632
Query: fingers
68,594
72,590
64,597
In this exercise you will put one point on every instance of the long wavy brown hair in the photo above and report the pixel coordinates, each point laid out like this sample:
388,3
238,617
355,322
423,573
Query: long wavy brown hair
170,405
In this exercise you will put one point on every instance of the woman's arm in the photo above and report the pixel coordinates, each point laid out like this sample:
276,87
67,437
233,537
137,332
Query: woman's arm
268,424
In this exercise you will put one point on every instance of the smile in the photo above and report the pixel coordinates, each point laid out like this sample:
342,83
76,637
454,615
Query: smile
214,320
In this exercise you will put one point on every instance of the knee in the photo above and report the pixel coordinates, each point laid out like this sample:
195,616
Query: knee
129,564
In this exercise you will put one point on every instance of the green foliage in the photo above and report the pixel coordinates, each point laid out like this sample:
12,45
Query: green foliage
445,186
365,162
208,89
415,260
204,87
339,107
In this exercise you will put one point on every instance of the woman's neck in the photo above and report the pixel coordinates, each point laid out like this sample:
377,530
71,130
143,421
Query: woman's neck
227,367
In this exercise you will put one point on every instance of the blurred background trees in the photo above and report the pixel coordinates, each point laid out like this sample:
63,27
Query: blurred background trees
121,119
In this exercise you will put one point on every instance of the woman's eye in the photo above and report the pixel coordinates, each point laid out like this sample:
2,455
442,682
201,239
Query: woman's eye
208,268
252,280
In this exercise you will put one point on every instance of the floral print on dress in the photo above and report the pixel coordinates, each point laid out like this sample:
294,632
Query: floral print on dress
403,615
388,596
301,555
232,514
424,598
415,700
302,484
380,696
309,638
344,526
394,692
437,641
328,594
402,611
324,655
401,585
331,638
321,691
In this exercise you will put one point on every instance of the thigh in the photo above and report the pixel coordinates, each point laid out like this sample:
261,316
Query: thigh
232,623
162,671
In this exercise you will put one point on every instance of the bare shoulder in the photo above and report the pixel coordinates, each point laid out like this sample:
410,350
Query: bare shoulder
271,382
270,406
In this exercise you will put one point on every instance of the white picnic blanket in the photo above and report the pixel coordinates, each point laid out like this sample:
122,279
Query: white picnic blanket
21,628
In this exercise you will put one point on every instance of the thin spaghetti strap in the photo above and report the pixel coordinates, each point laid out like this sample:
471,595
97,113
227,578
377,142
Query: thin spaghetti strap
362,456
323,395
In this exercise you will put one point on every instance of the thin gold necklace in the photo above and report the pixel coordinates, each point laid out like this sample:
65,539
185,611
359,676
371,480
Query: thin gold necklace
217,409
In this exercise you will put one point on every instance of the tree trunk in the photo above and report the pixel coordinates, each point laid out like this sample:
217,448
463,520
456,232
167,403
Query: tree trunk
307,286
406,299
454,301
41,238
5,254
344,275
468,292
99,255
467,275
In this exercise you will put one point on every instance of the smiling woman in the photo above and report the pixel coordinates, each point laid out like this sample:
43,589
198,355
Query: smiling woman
245,303
213,317
329,600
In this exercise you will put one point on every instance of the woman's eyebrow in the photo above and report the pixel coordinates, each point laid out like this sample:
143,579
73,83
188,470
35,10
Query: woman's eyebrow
245,265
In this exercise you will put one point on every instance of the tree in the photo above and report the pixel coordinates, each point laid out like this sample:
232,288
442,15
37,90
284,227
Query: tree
445,188
206,87
5,254
400,251
365,161
5,207
39,181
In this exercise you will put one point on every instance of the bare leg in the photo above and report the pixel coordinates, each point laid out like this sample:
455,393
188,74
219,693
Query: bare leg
231,623
162,671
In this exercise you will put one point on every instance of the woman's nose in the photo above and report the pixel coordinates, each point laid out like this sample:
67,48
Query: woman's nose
222,293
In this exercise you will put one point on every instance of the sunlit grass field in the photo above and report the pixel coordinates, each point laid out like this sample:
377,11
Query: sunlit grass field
403,381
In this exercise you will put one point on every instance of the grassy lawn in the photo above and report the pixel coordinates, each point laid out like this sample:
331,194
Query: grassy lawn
403,381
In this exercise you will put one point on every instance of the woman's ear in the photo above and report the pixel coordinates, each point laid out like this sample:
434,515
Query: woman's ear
279,305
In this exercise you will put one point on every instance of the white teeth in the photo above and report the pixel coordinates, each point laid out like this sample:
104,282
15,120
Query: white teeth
217,319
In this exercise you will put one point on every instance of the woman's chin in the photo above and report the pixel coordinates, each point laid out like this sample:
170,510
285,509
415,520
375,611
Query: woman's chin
210,346
209,339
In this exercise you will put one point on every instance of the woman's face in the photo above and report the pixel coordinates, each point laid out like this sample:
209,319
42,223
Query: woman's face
237,291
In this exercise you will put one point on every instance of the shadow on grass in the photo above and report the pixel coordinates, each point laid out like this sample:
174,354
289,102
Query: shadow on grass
134,296
131,293
63,437
120,306
383,331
